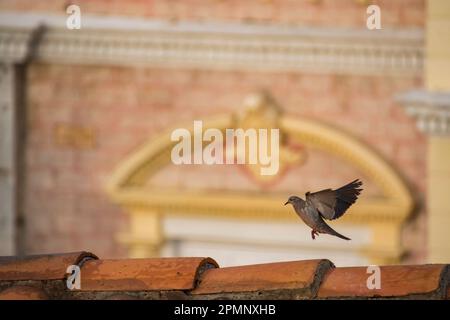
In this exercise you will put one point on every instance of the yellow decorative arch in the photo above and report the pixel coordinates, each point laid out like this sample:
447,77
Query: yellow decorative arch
146,205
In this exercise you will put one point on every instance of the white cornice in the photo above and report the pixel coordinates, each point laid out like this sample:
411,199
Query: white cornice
14,44
124,41
430,109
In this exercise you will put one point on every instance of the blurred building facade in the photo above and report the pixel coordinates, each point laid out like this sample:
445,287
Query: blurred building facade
87,116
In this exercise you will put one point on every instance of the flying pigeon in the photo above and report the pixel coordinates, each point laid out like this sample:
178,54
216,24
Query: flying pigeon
326,204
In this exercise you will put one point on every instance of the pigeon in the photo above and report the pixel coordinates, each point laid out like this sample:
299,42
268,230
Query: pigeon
326,204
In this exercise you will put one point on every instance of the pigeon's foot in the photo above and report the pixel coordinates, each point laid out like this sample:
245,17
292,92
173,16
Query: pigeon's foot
314,233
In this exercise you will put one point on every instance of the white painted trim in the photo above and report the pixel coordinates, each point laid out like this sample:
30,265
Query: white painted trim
125,41
430,109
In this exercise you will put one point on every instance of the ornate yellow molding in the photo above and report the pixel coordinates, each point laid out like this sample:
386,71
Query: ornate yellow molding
127,185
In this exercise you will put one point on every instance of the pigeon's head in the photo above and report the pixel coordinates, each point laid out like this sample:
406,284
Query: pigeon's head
292,200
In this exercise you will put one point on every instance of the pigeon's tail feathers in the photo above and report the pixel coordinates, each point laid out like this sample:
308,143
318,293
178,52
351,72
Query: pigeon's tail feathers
337,234
333,232
323,227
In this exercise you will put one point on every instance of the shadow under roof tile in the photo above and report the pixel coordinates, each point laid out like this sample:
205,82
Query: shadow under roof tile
41,267
264,277
143,274
23,293
396,281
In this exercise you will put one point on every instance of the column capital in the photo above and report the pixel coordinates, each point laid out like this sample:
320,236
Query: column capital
431,110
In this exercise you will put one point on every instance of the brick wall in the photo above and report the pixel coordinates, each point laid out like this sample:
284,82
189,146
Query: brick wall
398,13
83,120
123,107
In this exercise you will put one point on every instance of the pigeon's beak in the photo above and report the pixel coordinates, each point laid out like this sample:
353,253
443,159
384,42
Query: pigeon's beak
286,202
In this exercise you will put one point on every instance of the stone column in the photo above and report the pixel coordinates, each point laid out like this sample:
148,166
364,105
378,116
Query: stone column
16,51
431,109
439,198
432,113
8,181
145,237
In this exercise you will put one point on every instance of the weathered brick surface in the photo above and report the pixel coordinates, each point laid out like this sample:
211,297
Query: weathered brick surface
65,204
342,13
124,107
23,293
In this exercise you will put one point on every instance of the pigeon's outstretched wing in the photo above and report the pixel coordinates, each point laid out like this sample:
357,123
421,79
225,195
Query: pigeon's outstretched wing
332,204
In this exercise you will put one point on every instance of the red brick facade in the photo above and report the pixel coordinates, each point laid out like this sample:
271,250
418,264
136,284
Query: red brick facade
126,106
342,13
83,120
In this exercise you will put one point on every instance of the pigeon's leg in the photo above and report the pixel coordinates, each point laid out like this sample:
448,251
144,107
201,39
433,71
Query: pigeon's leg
313,234
316,232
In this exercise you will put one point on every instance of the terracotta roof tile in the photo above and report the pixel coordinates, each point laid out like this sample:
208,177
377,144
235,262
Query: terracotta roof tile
41,267
23,293
143,274
396,281
43,277
299,275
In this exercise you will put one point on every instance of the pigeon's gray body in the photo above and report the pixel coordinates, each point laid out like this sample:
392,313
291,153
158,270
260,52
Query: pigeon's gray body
326,204
312,218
